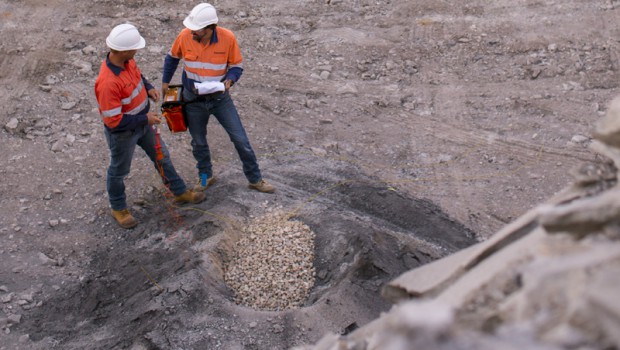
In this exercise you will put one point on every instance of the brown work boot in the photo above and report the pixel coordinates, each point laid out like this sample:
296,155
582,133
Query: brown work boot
262,186
124,218
200,188
190,196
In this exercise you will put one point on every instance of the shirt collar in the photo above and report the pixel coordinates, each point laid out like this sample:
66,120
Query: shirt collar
115,69
214,36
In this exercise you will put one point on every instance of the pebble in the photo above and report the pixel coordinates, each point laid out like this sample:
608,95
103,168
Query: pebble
12,124
580,139
6,298
68,105
14,319
24,338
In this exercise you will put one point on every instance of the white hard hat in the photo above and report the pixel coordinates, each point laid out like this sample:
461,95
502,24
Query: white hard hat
202,15
125,37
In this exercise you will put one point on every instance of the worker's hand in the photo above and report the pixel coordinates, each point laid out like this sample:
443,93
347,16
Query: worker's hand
153,118
164,89
154,94
227,84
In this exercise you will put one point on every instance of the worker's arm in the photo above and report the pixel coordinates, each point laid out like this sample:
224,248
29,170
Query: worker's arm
150,89
170,66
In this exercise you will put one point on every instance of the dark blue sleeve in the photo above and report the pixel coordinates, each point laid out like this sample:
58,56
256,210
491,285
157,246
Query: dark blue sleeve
146,83
131,122
234,74
170,66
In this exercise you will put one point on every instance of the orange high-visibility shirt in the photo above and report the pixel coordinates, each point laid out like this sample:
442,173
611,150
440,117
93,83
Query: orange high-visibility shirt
121,91
207,62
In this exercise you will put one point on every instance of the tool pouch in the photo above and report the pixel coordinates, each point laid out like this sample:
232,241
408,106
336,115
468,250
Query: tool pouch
172,109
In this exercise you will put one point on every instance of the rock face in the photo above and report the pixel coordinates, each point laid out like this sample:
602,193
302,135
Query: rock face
549,280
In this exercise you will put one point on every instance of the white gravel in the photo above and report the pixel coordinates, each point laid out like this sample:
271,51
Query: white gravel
272,265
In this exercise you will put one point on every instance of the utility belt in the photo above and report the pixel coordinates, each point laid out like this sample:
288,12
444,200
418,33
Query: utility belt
207,97
173,106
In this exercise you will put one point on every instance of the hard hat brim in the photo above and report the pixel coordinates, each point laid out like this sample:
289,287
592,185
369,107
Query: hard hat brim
190,25
140,45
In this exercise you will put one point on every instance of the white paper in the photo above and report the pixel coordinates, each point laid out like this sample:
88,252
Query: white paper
209,87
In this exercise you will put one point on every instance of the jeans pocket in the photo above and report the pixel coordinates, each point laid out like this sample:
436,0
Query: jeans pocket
222,97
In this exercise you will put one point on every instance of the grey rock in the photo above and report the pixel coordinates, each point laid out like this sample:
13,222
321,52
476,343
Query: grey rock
68,105
12,124
15,319
7,298
607,130
583,216
580,139
46,260
58,146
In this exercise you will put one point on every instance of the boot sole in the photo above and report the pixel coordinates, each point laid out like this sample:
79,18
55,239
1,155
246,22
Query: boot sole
256,189
199,188
127,226
177,202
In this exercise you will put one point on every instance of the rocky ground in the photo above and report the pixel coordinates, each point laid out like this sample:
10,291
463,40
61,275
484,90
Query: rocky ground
399,132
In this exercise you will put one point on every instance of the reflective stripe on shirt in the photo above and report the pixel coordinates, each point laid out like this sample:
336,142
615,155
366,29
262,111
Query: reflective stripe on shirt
134,93
112,112
202,78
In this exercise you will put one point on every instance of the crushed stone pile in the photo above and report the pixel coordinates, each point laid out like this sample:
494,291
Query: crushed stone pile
272,265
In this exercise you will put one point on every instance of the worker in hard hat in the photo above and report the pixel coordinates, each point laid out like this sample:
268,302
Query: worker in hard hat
211,54
123,97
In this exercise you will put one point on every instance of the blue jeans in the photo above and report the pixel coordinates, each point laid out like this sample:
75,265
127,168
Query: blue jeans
222,107
122,146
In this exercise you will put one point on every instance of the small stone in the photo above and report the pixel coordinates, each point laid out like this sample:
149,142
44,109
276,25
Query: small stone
46,260
12,124
51,80
14,319
7,298
24,338
68,105
580,139
58,146
89,50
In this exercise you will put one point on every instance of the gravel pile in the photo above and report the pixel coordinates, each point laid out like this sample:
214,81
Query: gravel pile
272,266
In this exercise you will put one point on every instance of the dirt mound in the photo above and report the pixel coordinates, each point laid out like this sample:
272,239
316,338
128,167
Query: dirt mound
169,284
